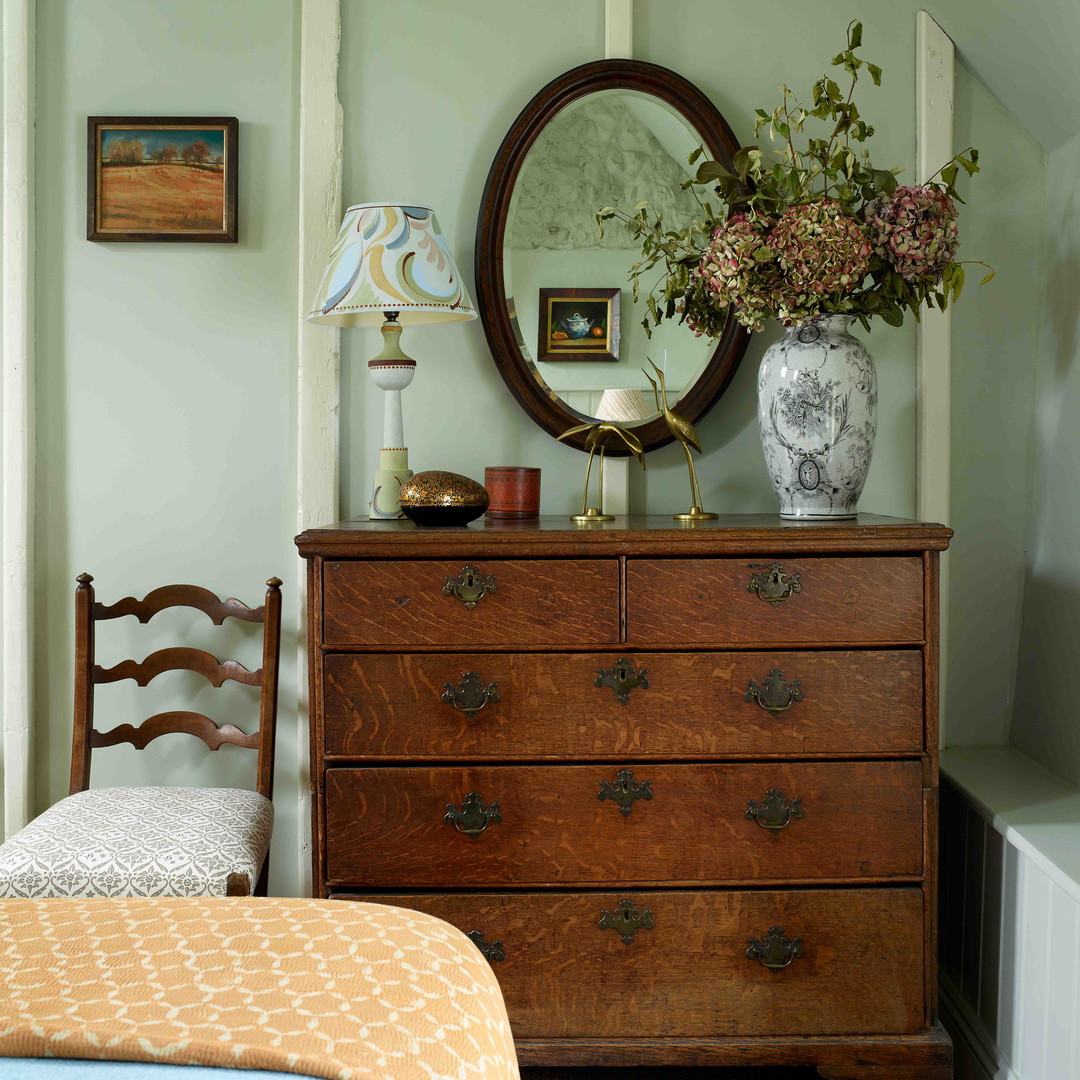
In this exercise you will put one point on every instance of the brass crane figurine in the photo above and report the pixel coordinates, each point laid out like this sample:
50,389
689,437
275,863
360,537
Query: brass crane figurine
599,433
684,433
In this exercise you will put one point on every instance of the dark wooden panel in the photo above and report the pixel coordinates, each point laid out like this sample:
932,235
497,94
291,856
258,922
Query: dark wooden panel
537,602
842,601
689,975
926,1055
549,706
385,827
655,535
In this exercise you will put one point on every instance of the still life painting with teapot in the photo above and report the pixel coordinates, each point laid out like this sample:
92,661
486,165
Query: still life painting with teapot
579,324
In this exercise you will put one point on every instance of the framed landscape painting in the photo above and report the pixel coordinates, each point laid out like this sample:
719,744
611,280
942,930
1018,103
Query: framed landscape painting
579,324
168,178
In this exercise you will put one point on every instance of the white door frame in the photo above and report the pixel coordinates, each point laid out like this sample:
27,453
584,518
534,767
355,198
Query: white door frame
934,79
318,385
18,404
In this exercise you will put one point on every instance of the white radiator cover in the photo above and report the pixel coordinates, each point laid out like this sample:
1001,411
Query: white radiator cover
1009,925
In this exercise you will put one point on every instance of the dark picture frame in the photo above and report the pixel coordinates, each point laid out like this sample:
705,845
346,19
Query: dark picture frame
565,312
162,179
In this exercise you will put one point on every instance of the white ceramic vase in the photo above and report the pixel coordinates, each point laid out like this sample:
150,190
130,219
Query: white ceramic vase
817,410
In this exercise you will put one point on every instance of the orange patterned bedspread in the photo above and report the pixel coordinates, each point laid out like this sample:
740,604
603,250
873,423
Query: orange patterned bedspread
319,987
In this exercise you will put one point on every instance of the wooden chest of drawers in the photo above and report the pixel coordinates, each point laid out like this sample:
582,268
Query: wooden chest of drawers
678,784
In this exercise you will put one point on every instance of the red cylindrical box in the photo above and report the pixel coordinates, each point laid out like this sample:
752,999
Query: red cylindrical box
514,491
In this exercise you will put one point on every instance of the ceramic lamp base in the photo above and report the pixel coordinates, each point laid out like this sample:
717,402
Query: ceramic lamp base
392,472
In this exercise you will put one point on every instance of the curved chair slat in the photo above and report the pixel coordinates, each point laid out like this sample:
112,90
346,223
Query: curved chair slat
193,596
168,723
179,658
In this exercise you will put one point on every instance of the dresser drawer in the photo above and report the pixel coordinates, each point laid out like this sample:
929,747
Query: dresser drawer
840,601
860,972
417,603
689,823
487,706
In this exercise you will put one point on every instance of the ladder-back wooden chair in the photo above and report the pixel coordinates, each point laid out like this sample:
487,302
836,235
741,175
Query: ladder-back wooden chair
155,841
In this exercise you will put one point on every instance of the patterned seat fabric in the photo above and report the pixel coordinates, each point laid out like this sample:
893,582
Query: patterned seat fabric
139,841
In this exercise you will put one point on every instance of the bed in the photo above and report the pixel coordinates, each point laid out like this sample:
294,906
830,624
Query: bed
130,988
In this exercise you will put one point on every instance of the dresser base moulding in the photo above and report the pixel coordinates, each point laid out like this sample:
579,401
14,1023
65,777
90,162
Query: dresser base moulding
927,1056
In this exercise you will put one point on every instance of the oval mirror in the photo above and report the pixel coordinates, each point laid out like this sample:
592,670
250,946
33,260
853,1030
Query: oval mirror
554,297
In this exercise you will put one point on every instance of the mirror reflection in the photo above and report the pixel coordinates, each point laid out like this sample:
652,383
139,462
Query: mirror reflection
569,296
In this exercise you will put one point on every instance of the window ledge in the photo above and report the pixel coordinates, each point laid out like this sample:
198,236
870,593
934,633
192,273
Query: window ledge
1036,811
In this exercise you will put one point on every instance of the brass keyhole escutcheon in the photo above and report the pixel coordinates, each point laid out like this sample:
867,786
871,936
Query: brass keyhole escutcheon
470,586
773,584
626,920
493,951
624,790
622,677
473,817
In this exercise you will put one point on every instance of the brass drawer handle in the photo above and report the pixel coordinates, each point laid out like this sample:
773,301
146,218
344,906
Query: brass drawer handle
626,920
774,695
493,951
773,584
473,817
470,695
624,790
470,586
775,813
776,951
622,678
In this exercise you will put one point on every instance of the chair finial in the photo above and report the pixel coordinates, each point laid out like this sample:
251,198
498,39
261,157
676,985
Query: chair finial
274,582
84,581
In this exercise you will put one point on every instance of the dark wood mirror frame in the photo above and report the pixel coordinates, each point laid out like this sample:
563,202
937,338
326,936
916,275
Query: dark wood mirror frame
720,143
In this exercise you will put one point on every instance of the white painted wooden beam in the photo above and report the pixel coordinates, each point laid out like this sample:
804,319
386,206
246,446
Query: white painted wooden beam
618,43
934,61
618,28
18,405
318,385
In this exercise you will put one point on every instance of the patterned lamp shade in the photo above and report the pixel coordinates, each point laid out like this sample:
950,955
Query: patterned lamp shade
390,258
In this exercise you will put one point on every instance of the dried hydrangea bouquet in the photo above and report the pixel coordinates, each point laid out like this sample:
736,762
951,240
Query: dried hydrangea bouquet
815,238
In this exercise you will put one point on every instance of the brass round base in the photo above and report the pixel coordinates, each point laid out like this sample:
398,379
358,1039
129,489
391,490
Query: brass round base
592,514
695,514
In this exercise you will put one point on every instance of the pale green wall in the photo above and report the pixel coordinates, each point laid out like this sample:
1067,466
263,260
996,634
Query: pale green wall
166,372
994,343
408,137
1046,724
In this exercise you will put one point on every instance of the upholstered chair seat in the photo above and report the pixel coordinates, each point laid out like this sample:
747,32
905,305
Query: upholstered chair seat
141,841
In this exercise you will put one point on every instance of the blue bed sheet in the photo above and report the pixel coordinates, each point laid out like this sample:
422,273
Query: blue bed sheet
72,1069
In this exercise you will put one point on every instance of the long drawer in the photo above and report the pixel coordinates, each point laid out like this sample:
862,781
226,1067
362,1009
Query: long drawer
859,968
868,600
475,706
602,824
528,602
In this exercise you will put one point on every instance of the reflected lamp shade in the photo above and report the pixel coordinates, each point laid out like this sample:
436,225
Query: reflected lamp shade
390,258
626,406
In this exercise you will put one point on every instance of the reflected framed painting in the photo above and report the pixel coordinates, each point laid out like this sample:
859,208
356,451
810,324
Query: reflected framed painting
579,324
162,178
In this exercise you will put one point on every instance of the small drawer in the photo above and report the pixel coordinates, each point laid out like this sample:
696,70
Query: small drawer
491,602
643,823
554,706
684,971
868,600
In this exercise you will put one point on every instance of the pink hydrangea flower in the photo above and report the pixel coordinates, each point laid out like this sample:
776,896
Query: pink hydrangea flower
824,255
738,270
915,231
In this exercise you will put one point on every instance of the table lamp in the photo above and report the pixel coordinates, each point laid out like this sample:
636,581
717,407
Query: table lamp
390,267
